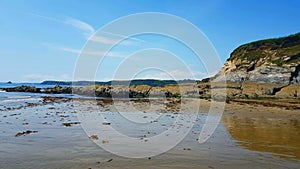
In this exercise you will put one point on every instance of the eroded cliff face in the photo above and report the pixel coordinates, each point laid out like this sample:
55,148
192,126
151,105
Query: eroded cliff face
264,72
266,61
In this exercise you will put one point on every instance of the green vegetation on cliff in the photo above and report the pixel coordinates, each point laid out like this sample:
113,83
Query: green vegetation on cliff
276,50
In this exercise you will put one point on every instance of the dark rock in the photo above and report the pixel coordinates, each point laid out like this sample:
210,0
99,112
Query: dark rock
23,89
59,90
25,133
70,124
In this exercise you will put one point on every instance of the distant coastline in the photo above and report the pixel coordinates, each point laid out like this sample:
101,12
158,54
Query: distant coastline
149,82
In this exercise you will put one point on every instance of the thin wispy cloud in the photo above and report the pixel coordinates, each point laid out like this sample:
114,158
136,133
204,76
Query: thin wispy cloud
122,36
45,17
112,38
93,52
90,52
78,24
103,38
88,30
108,41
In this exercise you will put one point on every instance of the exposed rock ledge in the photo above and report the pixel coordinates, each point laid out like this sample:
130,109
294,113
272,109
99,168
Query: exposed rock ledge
201,90
266,61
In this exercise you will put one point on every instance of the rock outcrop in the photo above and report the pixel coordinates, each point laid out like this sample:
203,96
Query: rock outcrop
266,61
58,90
291,91
30,89
138,91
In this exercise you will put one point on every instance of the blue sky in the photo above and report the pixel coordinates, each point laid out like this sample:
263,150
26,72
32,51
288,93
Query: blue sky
40,40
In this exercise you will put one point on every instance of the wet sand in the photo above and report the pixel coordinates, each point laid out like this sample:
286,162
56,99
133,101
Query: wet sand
248,136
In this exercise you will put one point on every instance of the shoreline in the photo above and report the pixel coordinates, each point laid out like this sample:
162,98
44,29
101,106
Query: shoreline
49,131
235,106
202,90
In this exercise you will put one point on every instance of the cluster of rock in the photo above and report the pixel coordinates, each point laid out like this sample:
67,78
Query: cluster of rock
200,90
266,61
54,90
261,71
58,90
138,91
30,89
250,90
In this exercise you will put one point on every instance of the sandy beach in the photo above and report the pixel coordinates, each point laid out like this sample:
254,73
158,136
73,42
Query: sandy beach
47,133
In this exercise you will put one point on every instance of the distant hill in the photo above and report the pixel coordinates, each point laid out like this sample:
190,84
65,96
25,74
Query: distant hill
274,60
50,82
149,82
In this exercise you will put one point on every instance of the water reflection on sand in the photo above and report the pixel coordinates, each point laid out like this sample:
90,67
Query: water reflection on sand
279,136
60,141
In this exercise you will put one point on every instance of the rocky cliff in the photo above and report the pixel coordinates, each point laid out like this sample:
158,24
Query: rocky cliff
267,61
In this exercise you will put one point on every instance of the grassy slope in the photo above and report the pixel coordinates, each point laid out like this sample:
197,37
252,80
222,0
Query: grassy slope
274,49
